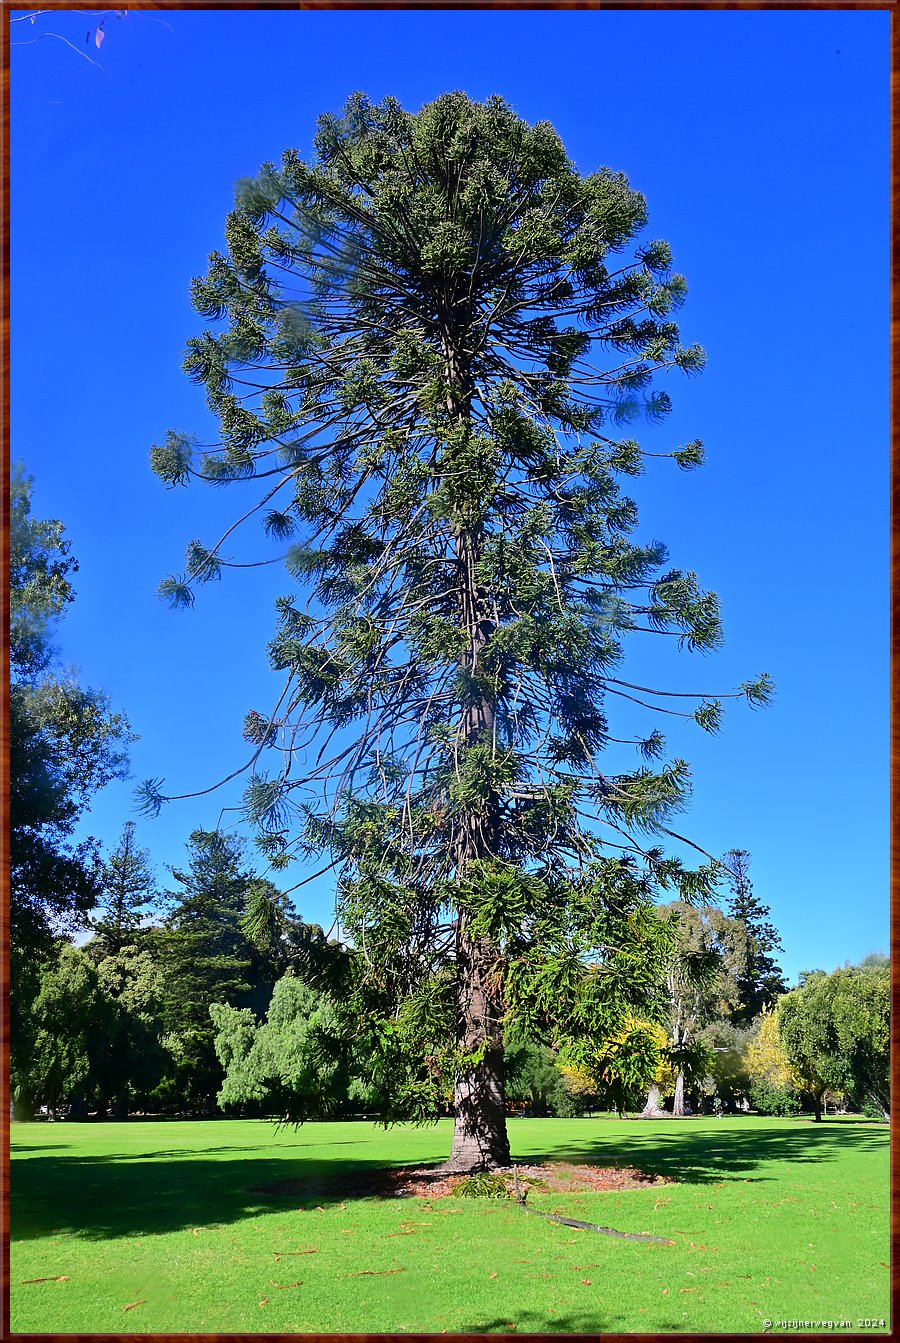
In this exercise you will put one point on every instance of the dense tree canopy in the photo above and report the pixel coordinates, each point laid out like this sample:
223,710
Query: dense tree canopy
208,959
65,743
433,343
835,1032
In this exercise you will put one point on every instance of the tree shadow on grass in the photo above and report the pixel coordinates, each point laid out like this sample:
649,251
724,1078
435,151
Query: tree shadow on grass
39,1147
531,1324
113,1196
107,1197
708,1155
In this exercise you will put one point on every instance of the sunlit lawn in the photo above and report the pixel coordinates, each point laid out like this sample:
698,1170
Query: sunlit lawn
154,1227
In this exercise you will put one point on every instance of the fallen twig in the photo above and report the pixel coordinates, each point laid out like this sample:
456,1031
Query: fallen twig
585,1226
374,1272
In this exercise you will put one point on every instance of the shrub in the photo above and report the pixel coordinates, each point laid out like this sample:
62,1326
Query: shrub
484,1184
772,1100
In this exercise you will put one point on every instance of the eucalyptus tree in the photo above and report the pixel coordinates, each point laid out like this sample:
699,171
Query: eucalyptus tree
432,349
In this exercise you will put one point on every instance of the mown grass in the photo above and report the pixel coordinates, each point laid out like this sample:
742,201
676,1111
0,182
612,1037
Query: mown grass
772,1219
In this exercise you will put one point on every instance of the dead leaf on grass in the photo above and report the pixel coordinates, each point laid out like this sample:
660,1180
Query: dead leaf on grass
64,1277
492,1275
264,1300
131,1305
585,1282
281,1285
283,1254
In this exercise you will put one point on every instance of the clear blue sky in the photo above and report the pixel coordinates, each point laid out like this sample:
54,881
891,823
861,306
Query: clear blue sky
761,143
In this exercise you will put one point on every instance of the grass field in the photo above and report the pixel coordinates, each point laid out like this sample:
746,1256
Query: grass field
154,1227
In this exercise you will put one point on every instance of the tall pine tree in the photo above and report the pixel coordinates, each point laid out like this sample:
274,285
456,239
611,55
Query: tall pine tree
207,959
127,889
432,347
760,980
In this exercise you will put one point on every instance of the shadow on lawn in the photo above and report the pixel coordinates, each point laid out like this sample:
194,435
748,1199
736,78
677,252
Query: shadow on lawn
104,1197
708,1155
528,1323
107,1197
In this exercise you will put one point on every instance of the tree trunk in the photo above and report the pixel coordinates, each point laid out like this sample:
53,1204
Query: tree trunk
678,1102
480,1141
23,1104
817,1102
120,1111
654,1108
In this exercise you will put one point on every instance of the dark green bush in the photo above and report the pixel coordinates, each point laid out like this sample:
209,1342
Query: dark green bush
769,1100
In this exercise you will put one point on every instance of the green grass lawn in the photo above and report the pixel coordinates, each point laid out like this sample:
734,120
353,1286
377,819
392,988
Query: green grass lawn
773,1220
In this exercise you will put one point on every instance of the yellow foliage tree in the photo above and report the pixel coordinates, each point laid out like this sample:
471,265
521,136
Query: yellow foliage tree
766,1060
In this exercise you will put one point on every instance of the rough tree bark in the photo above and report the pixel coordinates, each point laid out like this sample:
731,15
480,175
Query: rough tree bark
480,1140
653,1108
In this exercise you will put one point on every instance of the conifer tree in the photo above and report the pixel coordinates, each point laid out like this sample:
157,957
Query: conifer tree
127,888
206,959
760,980
432,348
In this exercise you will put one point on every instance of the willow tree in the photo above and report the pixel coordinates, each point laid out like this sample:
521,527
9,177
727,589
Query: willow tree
432,347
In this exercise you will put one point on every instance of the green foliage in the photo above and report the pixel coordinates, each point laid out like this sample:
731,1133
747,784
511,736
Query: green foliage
446,341
70,1022
758,979
40,563
532,1074
208,959
127,887
293,1064
771,1100
835,1031
65,743
483,1184
728,1071
94,1032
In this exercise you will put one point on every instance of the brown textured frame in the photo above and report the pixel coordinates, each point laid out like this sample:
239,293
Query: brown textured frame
890,6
